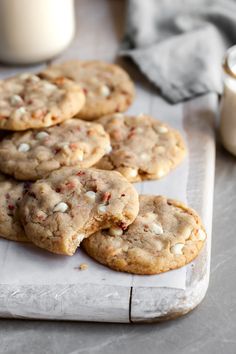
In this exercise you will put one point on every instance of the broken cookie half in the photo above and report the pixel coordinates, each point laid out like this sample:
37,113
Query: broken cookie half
71,204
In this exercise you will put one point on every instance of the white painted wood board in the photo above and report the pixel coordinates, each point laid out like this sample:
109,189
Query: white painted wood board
93,300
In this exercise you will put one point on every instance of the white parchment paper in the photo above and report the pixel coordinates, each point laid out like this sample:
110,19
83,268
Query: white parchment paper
22,264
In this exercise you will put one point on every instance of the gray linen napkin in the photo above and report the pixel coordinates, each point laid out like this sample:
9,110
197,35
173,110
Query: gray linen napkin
179,44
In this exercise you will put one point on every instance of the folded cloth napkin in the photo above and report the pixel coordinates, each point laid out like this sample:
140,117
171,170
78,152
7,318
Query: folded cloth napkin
179,44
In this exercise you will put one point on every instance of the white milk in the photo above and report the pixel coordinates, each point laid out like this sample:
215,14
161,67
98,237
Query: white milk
34,30
228,104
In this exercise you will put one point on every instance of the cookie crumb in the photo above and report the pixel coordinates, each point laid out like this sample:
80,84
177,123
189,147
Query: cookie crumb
83,266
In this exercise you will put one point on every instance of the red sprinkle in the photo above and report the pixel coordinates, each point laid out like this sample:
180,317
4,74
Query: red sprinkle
73,146
70,185
80,173
41,217
85,91
131,132
11,207
106,197
122,225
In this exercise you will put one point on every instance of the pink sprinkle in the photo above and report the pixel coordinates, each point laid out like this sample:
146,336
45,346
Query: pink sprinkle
80,173
106,197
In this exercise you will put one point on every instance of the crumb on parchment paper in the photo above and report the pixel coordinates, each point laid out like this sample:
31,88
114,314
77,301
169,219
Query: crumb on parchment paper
82,266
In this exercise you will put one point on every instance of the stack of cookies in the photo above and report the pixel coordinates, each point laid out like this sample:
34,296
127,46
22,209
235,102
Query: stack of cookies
68,157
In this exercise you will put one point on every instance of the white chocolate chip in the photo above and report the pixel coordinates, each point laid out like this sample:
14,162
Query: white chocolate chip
80,155
49,87
80,237
133,172
108,149
139,130
156,228
42,135
105,91
20,111
91,195
102,208
160,173
62,207
144,156
16,99
201,235
162,129
177,249
128,172
63,145
34,79
23,147
115,231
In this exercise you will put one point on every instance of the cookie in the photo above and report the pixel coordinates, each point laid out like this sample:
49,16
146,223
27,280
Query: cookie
27,101
11,192
165,235
107,87
34,154
143,148
59,212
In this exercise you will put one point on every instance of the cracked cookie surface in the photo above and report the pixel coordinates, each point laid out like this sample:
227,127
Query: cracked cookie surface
34,154
59,212
142,147
107,87
11,193
27,101
165,235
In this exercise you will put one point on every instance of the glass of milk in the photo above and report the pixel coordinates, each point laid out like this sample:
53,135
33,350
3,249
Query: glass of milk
34,30
228,102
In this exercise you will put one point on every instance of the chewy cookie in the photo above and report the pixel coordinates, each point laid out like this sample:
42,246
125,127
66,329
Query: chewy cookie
107,87
27,101
165,235
71,204
142,147
34,154
11,192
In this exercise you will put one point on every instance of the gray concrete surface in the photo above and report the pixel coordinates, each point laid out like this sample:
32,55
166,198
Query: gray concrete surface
209,329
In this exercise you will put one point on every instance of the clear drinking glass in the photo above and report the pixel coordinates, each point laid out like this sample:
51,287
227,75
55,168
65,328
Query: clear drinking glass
34,30
228,102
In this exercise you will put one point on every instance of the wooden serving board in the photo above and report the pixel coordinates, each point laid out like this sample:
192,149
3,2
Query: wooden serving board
36,284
